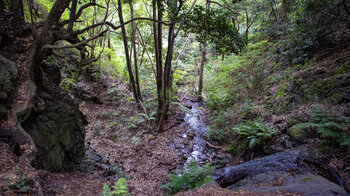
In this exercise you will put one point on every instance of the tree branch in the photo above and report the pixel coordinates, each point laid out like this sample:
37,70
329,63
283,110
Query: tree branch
77,44
235,13
127,22
82,8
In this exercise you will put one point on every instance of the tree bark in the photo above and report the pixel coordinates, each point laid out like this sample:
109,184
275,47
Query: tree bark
126,49
133,43
166,79
158,50
201,69
72,15
16,8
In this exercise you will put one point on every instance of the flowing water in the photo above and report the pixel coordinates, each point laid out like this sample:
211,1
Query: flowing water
199,131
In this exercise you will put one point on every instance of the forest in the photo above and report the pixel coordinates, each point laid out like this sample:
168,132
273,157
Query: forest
174,97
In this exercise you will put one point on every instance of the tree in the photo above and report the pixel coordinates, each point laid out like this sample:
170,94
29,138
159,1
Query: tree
127,56
201,68
52,30
133,40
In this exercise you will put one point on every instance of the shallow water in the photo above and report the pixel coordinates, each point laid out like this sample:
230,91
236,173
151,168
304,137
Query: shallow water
198,131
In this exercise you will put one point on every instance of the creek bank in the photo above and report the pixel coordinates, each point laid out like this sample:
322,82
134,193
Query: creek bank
293,171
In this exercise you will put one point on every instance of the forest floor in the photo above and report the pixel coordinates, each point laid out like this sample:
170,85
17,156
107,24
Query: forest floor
145,156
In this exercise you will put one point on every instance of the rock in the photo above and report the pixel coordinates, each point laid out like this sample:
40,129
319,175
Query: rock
298,133
191,134
273,182
58,132
2,112
52,73
95,162
8,77
292,171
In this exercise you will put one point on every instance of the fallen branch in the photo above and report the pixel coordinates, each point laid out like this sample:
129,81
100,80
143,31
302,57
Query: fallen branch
216,147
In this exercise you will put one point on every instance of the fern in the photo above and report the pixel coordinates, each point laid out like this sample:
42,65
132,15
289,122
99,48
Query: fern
250,135
119,188
331,127
192,177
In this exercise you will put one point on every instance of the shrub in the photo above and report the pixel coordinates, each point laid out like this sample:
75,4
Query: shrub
332,128
191,177
250,134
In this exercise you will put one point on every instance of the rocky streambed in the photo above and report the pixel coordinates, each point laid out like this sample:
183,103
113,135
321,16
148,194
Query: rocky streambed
297,171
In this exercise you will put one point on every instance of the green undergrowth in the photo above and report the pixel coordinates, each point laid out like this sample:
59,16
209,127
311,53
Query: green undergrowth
118,189
250,134
247,89
191,177
332,127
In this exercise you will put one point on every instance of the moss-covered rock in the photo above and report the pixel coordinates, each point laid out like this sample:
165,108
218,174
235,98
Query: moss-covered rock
299,133
57,128
8,77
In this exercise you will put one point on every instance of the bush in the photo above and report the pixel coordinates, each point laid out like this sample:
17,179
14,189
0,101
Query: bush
192,177
332,127
250,134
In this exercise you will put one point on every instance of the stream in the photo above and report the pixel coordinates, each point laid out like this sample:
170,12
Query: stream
199,131
192,143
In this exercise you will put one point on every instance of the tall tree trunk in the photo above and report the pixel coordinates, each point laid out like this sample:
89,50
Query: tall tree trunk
166,79
73,10
133,43
158,50
16,8
247,23
126,49
201,69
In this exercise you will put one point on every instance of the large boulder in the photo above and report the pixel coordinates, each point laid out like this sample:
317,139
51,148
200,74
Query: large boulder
57,128
8,77
295,171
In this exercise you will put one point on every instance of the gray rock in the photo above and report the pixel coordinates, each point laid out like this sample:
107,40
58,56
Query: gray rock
273,182
52,73
288,171
8,77
58,132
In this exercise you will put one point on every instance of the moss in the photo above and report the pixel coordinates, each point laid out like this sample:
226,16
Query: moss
323,87
305,179
291,122
298,133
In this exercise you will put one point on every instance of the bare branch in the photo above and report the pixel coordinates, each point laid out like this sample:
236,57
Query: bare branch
127,22
113,26
214,2
82,8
